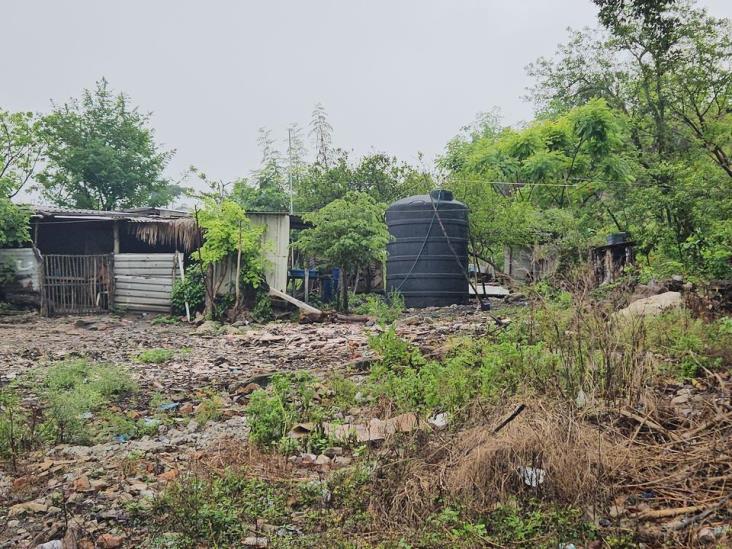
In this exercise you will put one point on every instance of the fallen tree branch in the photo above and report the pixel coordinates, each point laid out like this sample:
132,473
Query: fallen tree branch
650,423
664,513
680,525
520,408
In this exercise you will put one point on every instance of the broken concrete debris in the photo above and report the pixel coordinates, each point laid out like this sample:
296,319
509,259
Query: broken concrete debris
373,431
652,305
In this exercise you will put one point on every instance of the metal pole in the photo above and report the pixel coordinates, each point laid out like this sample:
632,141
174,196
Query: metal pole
289,153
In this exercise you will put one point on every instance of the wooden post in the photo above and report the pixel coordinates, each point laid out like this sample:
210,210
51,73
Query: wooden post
41,280
181,270
115,234
306,282
111,288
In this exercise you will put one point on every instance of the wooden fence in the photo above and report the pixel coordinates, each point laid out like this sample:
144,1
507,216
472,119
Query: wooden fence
77,283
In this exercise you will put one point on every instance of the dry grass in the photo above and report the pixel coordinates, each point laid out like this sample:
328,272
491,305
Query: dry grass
232,454
664,472
183,233
478,469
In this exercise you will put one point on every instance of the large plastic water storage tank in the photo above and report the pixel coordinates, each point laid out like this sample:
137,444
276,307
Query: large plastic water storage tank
428,255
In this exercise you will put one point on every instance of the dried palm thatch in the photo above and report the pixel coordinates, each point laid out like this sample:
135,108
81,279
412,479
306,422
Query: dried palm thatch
183,233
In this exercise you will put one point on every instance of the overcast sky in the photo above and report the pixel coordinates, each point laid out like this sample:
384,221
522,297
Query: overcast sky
395,76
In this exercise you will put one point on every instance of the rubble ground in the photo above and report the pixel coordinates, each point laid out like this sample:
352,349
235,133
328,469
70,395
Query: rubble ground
85,491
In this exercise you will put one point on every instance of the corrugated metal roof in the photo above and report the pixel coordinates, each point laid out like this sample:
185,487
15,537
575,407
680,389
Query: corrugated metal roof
102,215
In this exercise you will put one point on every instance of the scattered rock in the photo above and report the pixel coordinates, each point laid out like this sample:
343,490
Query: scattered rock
186,409
308,459
333,451
706,535
109,541
167,476
247,389
652,305
82,484
228,329
20,483
28,507
253,541
322,459
53,544
209,327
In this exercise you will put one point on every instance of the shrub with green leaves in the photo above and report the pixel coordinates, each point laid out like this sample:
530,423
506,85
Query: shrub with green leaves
209,409
192,290
688,344
272,413
164,320
262,310
487,367
217,511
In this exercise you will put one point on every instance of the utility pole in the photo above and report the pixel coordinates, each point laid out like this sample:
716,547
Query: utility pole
289,153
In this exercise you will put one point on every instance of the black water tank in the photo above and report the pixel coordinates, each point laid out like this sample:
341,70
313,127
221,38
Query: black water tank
421,264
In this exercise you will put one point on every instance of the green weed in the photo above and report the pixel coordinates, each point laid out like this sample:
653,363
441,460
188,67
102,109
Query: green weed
73,391
385,310
155,356
217,511
17,427
165,320
209,409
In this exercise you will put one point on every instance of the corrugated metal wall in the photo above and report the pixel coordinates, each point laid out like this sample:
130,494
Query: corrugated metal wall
143,282
25,264
25,288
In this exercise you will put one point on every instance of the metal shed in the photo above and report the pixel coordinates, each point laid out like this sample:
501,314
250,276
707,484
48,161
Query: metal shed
85,261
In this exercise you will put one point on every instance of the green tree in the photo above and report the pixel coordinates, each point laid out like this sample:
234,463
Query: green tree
348,233
381,176
665,67
539,184
227,232
265,192
21,149
321,132
102,155
13,223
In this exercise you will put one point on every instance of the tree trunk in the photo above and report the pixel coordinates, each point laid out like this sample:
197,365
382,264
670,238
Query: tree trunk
209,284
344,290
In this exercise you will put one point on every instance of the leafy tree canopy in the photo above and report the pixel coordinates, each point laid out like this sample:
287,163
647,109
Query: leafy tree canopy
381,176
102,155
634,133
21,149
546,182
